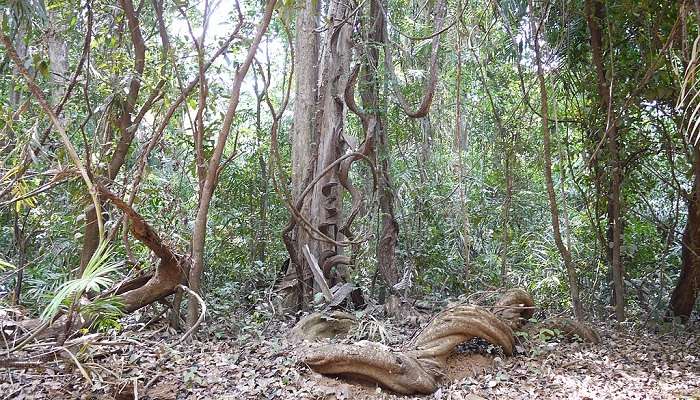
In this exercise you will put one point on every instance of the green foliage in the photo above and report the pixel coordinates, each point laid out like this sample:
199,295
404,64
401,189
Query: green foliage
104,313
93,279
446,216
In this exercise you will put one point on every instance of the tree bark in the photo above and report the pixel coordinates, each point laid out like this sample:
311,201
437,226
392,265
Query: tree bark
551,195
214,168
594,14
304,139
326,200
386,247
687,288
21,247
124,123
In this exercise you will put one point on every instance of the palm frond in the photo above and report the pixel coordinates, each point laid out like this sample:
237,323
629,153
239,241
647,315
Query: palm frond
689,97
6,265
95,277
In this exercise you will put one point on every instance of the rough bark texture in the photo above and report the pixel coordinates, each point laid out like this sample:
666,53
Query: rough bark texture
305,79
317,220
386,248
326,201
298,276
686,292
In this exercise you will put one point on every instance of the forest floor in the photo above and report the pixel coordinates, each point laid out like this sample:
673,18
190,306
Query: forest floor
254,360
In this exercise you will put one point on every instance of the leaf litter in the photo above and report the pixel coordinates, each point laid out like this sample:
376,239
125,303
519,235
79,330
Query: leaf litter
255,361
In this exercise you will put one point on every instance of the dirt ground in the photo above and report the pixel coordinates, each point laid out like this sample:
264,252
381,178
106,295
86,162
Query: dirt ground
257,362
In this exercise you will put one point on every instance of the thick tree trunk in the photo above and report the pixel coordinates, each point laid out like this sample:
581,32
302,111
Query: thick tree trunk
686,292
326,200
594,14
306,46
551,195
303,141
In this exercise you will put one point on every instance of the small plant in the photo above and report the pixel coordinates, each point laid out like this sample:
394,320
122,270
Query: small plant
546,334
94,278
104,313
371,328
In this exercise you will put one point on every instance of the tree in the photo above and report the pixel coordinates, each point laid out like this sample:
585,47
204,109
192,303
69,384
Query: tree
551,195
595,14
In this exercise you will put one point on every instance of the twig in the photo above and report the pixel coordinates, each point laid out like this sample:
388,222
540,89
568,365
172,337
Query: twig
203,307
153,380
38,94
77,363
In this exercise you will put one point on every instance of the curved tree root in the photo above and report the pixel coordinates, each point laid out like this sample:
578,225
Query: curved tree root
418,367
394,370
515,307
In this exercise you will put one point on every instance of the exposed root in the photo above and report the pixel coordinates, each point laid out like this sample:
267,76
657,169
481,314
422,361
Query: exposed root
570,329
419,366
373,362
515,307
323,326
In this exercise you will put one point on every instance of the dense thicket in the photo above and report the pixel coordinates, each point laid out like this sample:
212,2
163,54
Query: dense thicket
305,152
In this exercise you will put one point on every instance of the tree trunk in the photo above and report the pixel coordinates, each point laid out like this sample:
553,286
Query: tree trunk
551,195
686,292
594,14
21,247
304,139
124,123
459,149
326,200
386,246
213,168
